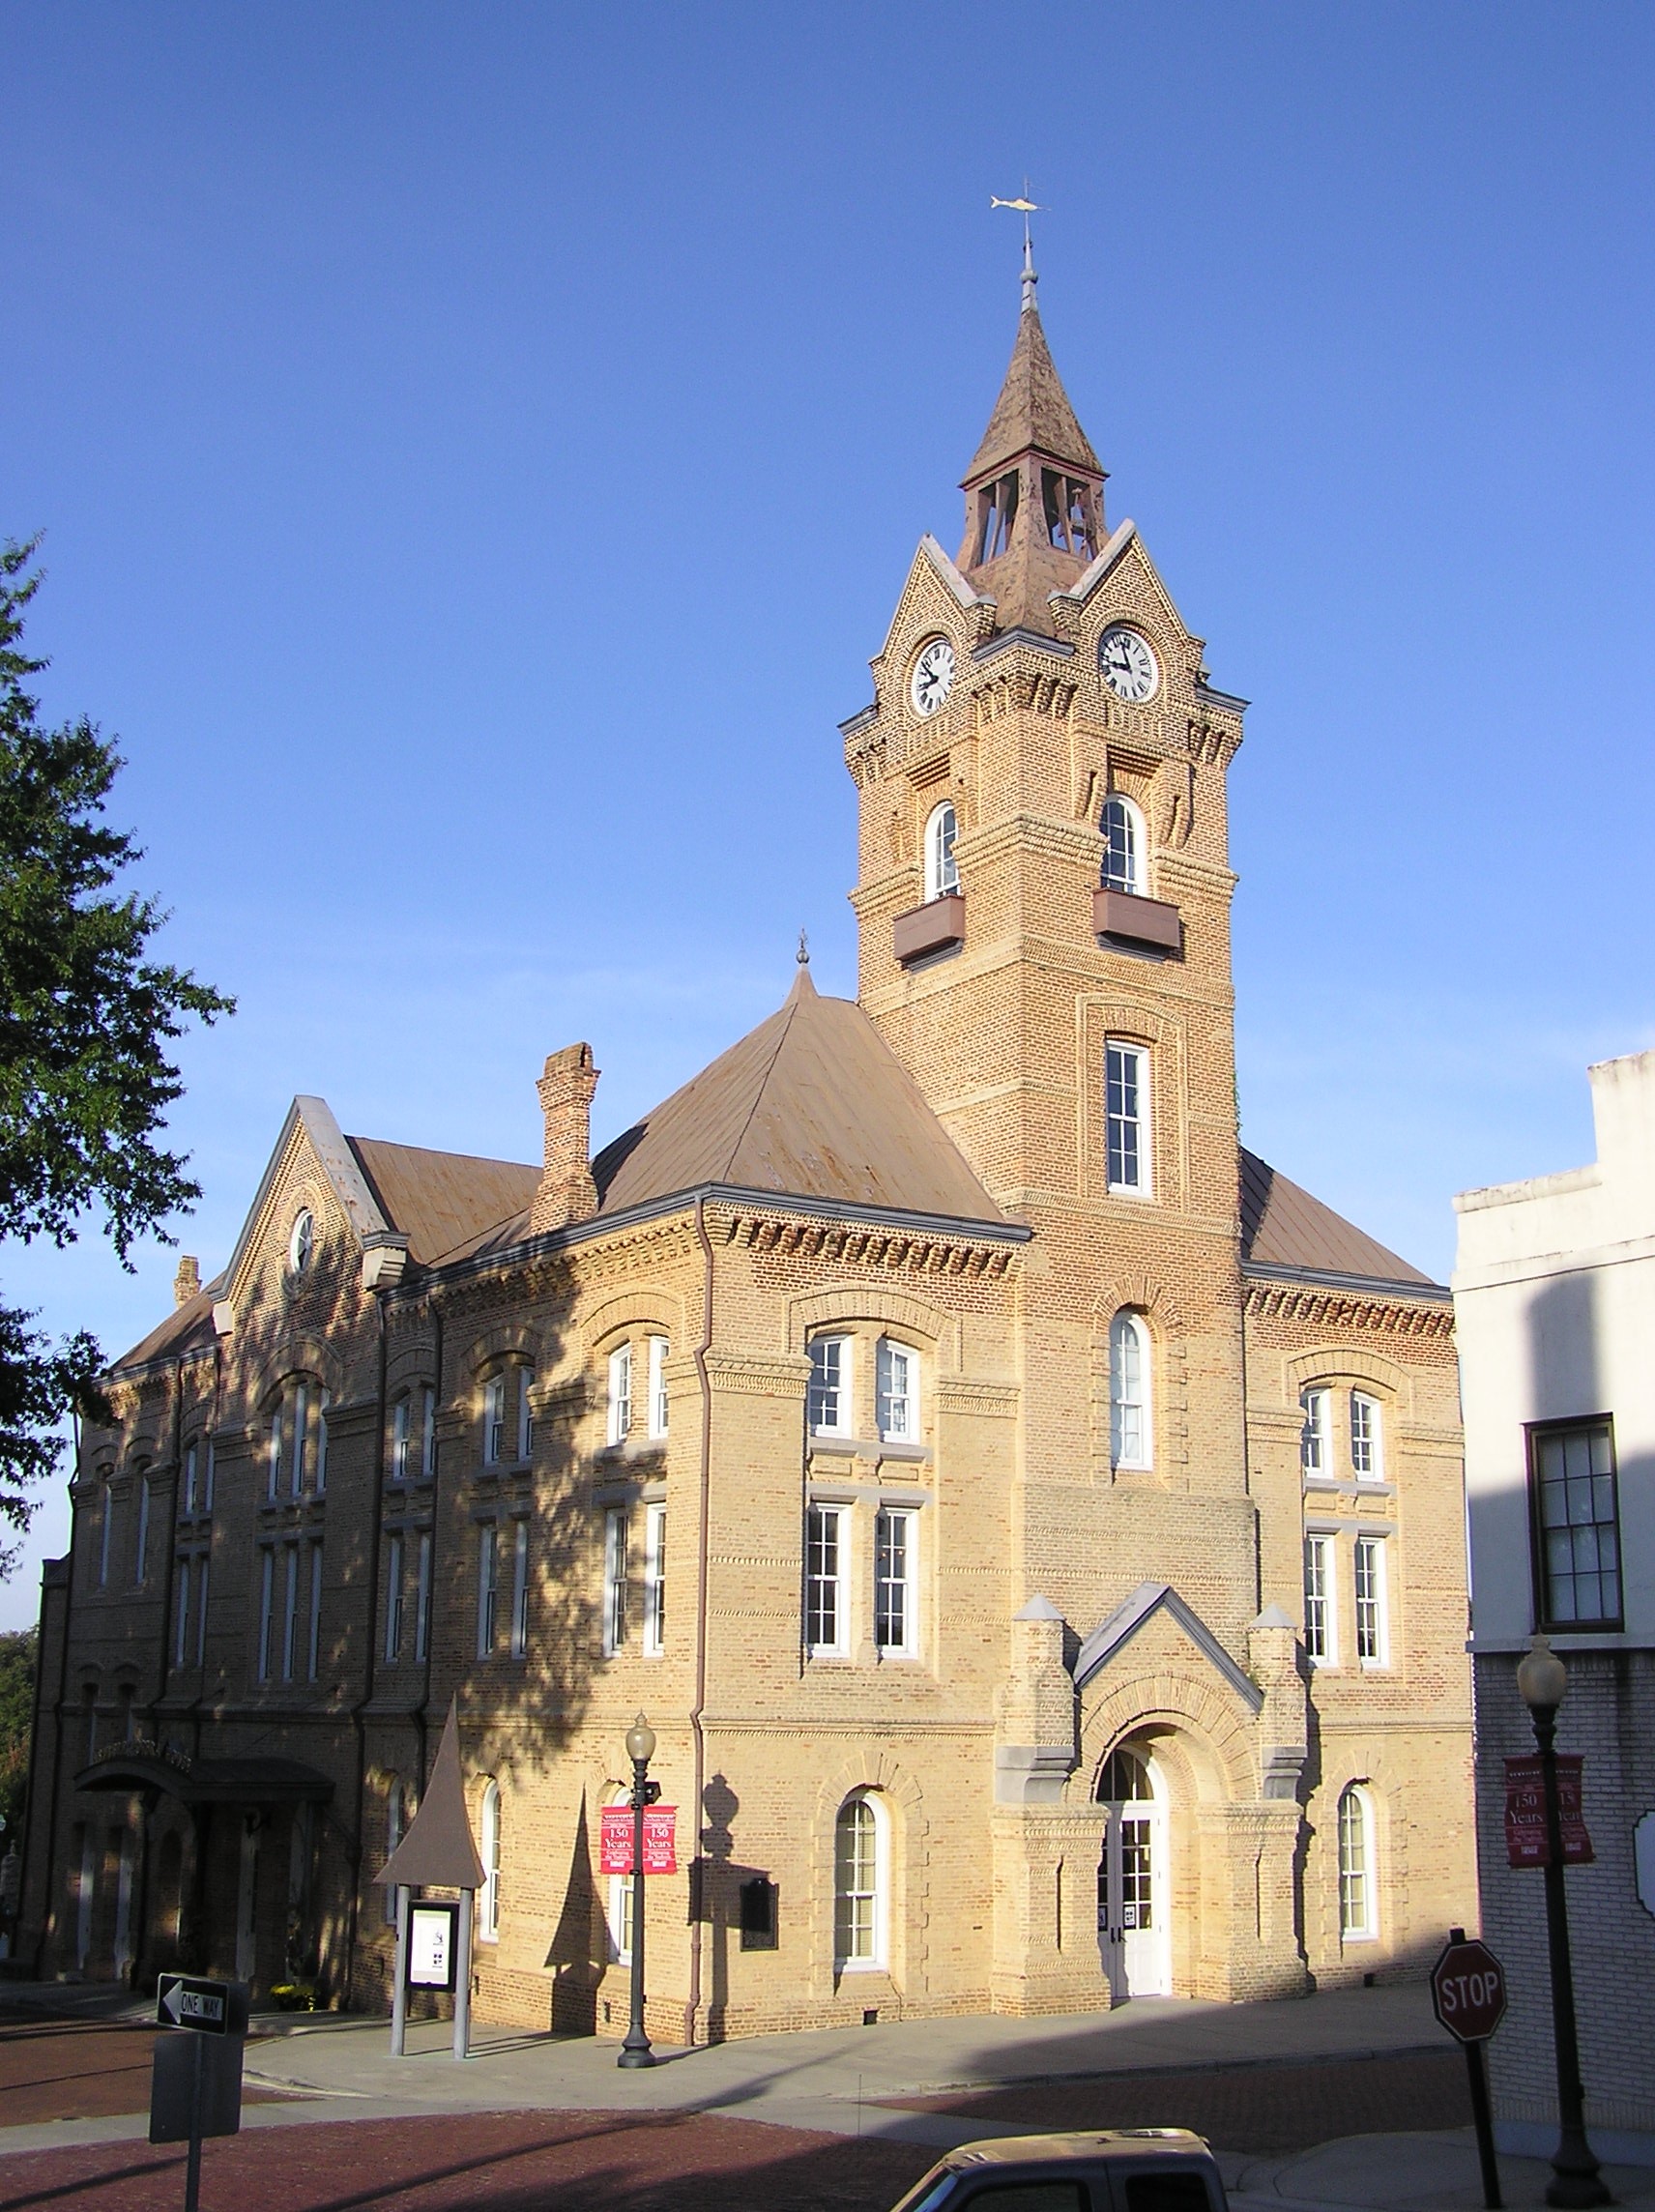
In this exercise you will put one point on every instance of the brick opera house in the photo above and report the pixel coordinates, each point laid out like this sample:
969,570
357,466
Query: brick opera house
1033,1525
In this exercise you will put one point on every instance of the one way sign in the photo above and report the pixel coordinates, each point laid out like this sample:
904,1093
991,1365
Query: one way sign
210,2008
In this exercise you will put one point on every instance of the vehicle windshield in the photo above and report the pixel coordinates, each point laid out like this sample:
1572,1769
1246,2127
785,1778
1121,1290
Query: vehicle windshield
930,2191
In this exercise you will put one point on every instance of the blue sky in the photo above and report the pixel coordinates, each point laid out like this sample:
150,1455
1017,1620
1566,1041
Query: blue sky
481,450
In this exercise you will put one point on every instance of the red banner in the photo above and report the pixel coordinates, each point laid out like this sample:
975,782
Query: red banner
661,1838
1526,1840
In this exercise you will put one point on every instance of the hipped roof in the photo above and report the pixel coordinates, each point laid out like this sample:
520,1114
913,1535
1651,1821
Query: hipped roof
438,1850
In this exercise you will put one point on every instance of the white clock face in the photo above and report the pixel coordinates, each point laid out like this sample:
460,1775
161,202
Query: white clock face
1126,663
933,677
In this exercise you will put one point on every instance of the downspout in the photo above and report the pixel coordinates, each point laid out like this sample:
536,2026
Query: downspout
697,1733
172,1541
357,1723
211,1462
422,1715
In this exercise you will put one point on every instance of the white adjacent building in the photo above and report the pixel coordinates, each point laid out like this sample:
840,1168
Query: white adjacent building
1555,1302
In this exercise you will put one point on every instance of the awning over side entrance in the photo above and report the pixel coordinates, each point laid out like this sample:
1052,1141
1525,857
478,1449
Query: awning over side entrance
136,1767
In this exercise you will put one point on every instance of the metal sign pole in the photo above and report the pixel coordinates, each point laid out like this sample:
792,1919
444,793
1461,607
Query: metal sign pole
462,1977
1477,2071
399,1993
192,2165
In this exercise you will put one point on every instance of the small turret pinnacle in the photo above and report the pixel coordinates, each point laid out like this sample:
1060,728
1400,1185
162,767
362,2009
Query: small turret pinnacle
802,955
1029,279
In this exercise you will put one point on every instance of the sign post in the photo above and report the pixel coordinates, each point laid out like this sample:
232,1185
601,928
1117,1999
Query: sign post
1467,1995
195,2081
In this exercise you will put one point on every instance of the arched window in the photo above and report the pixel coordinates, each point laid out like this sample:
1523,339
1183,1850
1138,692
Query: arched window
1124,1780
1131,1441
1123,843
488,1897
861,1877
942,869
1358,1901
301,1241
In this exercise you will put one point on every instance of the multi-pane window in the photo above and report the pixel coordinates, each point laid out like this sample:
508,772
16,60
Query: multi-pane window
301,1438
658,1350
266,1599
201,1612
1367,1450
942,869
1130,1436
427,1433
1122,846
1371,1637
106,1530
182,1642
487,1586
1126,1116
519,1589
494,1421
290,1613
857,1905
273,1475
488,1896
1318,1625
1316,1437
1358,1916
322,1401
189,1477
896,1595
824,1579
393,1599
400,1446
654,1580
620,1421
141,1557
898,1375
1576,1526
829,1402
525,1414
614,1580
422,1598
313,1653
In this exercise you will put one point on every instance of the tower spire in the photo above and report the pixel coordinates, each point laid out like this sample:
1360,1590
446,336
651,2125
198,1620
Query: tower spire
1025,207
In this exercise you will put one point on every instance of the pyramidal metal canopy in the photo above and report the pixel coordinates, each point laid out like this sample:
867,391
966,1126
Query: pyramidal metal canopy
438,1850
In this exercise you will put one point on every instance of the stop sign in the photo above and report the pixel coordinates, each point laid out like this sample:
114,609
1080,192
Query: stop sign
1467,1990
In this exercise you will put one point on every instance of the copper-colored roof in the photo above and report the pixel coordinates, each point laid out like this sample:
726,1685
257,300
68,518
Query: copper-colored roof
1282,1226
187,1329
439,1848
438,1200
1032,410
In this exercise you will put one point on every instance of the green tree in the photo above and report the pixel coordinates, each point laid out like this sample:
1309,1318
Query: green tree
85,1020
17,1647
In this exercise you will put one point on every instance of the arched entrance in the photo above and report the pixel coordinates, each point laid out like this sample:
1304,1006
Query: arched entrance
1134,1886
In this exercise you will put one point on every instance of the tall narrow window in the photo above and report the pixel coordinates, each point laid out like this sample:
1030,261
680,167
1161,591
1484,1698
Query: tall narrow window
290,1613
1123,828
619,1419
323,1401
422,1598
494,1421
1576,1526
1357,1917
400,1440
1316,1437
824,1581
1068,524
614,1580
1371,1623
829,1402
190,1466
273,1481
180,1643
487,1586
942,869
898,1399
997,516
106,1530
267,1601
201,1612
301,1437
1126,1108
519,1589
427,1433
858,1902
896,1608
393,1599
1130,1435
524,1413
658,1386
314,1631
395,1823
1367,1452
142,1557
654,1580
1319,1638
488,1896
211,1472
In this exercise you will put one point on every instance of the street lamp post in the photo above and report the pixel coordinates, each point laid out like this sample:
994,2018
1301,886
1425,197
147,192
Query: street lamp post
1542,1678
641,1749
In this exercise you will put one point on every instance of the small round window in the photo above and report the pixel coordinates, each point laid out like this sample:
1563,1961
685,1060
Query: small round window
301,1243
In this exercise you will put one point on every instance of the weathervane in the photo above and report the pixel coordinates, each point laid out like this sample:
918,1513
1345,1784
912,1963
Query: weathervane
1025,207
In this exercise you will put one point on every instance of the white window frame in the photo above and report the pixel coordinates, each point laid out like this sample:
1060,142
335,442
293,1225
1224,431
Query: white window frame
105,1532
614,1618
201,1611
875,1959
827,1531
618,1416
393,1597
1367,1437
488,1586
422,1598
266,1602
659,1352
488,1896
1131,1400
1321,1589
427,1433
1137,845
525,1416
896,1547
180,1645
942,869
654,1580
1361,1830
278,1431
313,1642
830,1355
191,1464
323,1401
1136,1176
290,1613
1372,1623
141,1561
620,1914
896,1391
301,1437
494,1421
399,1417
519,1587
1316,1435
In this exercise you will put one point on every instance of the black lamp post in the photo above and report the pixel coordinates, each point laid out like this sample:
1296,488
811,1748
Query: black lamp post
641,1749
1542,1678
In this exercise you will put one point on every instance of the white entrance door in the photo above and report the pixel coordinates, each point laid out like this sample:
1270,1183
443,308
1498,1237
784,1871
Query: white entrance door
1133,1923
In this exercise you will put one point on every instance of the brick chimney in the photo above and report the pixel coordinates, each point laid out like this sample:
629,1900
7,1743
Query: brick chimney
187,1283
566,1192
